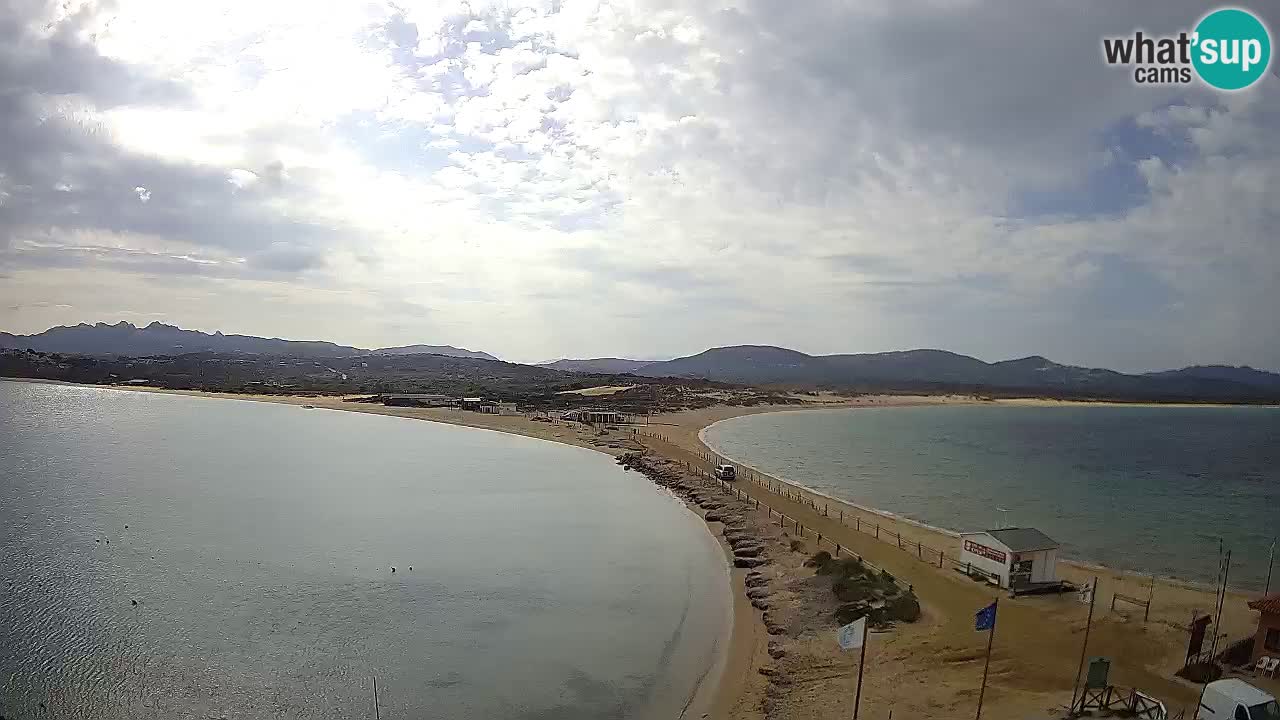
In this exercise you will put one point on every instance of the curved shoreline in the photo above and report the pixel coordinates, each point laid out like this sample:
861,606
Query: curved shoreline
706,691
727,694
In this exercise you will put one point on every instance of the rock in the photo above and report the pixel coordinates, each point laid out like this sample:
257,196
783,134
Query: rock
757,581
748,562
712,516
748,551
758,592
759,604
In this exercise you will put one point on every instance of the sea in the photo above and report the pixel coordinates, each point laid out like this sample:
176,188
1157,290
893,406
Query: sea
166,556
1153,489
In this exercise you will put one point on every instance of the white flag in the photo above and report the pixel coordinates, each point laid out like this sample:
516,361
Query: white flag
850,636
1086,593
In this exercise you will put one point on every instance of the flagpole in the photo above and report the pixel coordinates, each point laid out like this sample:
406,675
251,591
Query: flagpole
995,618
862,662
1270,566
1093,596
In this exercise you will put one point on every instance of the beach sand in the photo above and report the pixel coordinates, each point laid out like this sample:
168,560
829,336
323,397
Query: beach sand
928,669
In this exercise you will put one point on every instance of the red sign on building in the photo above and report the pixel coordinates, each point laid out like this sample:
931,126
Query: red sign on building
984,551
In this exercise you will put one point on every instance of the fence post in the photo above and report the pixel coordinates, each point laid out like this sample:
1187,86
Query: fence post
940,557
919,551
899,541
857,523
837,550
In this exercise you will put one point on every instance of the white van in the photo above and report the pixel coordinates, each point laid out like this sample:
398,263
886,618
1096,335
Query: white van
1236,700
726,472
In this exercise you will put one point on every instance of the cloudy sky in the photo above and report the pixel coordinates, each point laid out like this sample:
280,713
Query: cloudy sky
641,178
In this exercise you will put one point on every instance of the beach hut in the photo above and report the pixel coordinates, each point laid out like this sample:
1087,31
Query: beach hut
1267,641
1018,558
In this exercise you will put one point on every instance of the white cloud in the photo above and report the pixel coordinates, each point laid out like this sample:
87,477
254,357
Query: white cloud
834,177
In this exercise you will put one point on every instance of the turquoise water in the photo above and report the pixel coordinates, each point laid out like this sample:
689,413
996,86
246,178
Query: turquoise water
545,581
1140,488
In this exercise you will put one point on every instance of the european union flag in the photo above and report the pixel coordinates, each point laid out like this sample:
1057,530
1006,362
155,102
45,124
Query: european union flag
986,618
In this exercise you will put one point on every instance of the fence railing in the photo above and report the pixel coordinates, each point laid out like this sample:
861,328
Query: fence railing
852,520
788,523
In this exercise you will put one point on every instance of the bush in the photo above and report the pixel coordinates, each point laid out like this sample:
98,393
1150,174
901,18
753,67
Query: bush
849,612
820,560
903,608
797,546
848,567
853,589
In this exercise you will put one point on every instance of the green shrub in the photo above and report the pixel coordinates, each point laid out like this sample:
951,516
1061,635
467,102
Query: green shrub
853,589
849,612
819,560
903,608
849,567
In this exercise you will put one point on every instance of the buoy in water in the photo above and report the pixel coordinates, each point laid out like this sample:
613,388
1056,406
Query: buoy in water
135,603
393,568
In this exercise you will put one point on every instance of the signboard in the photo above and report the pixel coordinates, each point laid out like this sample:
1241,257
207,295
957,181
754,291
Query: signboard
984,551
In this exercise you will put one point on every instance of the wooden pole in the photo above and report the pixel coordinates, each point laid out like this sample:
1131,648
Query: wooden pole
862,663
987,665
376,713
1093,596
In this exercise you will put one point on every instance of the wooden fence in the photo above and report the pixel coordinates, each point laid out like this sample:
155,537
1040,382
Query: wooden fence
852,520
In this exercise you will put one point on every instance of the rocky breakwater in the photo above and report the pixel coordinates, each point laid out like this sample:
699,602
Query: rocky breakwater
802,595
756,545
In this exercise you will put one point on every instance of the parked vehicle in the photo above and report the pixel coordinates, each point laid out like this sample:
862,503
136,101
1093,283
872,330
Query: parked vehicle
728,473
1235,699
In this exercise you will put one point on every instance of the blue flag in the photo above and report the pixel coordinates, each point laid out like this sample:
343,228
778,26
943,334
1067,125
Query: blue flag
986,618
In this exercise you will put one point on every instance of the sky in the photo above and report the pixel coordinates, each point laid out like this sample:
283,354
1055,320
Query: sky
643,178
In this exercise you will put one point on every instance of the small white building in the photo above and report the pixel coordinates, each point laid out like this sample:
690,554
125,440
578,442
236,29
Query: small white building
1018,557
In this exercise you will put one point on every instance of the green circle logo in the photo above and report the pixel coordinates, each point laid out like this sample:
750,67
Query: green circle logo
1232,49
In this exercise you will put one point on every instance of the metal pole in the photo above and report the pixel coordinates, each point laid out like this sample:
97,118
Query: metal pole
1093,596
987,665
376,713
1270,565
862,662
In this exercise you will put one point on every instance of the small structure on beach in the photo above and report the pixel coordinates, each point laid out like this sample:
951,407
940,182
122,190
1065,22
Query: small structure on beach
1267,642
417,400
598,417
1017,558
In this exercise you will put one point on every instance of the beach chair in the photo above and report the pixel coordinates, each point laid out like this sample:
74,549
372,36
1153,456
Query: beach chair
1273,664
1261,666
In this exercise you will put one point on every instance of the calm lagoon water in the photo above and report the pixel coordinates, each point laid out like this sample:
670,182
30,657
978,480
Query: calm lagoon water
1139,488
545,582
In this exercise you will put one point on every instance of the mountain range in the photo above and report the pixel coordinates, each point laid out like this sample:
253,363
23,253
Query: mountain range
125,338
909,370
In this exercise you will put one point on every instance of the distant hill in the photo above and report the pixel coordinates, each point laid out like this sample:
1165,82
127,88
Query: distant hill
933,370
125,338
159,339
1242,374
446,350
598,365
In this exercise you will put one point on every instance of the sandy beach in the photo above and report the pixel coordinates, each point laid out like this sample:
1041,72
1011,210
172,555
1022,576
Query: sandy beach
930,668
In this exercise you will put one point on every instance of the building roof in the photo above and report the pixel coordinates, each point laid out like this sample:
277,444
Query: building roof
1023,539
1268,604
